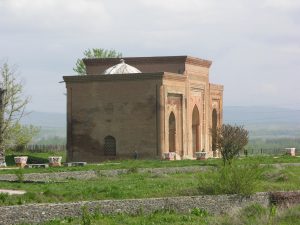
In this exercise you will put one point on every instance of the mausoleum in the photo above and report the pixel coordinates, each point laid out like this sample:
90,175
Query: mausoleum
142,107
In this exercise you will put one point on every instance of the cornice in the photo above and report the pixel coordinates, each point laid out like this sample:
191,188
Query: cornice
198,62
217,87
125,77
113,77
149,60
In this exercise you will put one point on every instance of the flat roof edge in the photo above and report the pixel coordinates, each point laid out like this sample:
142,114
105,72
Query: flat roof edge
152,59
111,77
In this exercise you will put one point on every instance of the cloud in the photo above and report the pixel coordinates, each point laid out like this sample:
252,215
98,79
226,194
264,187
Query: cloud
52,15
251,42
268,89
282,4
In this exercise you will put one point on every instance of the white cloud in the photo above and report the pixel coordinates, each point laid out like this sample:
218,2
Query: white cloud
282,4
268,89
250,41
53,15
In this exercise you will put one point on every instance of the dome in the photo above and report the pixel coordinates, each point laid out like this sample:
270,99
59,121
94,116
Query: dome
121,68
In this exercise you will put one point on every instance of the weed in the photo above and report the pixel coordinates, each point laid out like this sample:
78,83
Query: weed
20,201
20,175
3,197
254,210
199,212
273,211
132,170
86,218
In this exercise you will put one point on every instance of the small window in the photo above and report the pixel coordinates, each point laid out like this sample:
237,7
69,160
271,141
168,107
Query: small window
109,146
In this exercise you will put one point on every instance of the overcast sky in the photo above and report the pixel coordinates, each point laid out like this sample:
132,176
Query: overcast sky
254,44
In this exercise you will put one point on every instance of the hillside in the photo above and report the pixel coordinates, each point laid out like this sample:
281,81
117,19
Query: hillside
265,122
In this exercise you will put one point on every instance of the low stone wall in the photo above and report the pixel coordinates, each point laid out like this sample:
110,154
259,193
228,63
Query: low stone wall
215,204
285,199
89,174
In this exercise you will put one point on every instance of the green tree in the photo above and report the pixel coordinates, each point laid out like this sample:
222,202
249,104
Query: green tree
231,140
14,102
23,135
94,53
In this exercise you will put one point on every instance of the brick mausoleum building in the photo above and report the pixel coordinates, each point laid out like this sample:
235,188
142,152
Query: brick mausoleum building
145,106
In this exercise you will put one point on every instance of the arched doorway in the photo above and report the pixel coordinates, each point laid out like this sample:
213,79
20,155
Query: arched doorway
196,130
214,129
110,146
172,133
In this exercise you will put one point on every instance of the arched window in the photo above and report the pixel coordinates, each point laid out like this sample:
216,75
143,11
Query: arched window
109,146
214,129
196,129
172,133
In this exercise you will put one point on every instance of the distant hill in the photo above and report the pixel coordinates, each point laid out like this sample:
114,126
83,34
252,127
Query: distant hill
262,122
260,115
45,119
265,122
52,126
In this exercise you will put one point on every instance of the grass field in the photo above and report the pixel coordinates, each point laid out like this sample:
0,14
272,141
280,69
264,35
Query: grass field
144,185
263,178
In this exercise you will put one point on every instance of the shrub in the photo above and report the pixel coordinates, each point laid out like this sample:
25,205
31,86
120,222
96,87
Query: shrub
230,140
232,179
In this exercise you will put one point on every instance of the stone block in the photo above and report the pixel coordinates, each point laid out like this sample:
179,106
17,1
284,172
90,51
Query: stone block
37,166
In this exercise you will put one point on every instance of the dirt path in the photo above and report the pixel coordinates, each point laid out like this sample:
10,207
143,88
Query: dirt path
12,192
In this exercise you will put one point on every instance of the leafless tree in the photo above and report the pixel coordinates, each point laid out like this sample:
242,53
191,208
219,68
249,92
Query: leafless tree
13,104
231,140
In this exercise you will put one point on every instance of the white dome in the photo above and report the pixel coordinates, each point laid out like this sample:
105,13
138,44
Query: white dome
121,68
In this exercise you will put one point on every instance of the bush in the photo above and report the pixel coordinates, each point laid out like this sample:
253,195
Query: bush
230,140
232,179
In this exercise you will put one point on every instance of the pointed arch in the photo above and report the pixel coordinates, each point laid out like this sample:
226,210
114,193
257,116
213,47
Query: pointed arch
196,130
172,132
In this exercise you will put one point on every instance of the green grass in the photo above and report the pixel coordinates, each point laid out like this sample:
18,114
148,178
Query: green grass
146,185
124,186
254,214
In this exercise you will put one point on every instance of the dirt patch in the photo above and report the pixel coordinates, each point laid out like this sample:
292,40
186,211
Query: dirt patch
12,192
